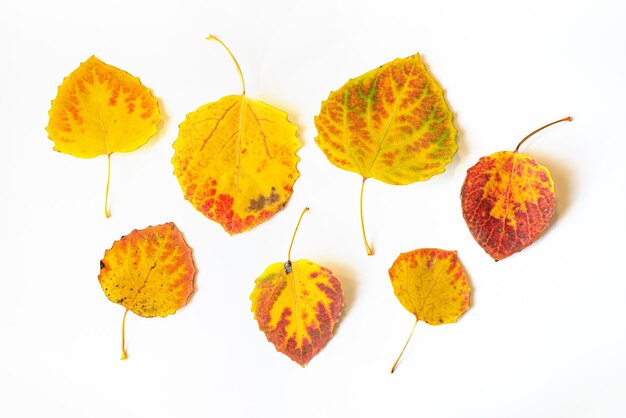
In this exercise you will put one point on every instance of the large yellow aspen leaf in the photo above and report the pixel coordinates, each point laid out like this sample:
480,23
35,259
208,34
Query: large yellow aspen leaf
297,305
235,160
508,200
391,124
99,110
149,272
432,285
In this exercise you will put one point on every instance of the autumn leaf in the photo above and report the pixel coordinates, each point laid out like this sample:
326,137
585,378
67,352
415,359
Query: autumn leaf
297,305
391,124
235,160
149,272
432,285
508,200
99,110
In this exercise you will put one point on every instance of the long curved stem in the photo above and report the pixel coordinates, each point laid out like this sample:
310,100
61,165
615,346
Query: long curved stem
107,214
215,38
367,246
124,357
393,369
294,233
567,119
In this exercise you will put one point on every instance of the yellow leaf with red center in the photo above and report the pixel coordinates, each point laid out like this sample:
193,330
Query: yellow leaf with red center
508,200
99,110
149,272
432,285
236,160
391,124
297,306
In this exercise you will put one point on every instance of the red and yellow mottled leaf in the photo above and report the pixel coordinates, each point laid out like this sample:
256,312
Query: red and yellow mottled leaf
236,160
297,306
101,109
508,201
149,272
297,310
391,124
432,285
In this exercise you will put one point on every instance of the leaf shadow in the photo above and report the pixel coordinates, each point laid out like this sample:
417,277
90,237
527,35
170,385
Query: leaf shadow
563,177
346,276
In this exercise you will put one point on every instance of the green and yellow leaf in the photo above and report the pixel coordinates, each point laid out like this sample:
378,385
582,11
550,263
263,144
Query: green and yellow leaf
391,124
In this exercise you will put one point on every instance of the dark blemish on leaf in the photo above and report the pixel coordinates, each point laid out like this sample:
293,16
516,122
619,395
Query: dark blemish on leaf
288,266
102,265
259,203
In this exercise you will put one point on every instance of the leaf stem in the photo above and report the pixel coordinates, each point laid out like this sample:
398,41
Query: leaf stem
107,214
567,119
367,246
294,233
124,357
243,85
393,369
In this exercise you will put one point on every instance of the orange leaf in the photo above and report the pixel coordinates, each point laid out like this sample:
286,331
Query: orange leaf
297,305
149,272
432,285
235,160
99,110
391,124
508,201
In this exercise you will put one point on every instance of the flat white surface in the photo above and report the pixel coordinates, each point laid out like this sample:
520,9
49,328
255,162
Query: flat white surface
545,336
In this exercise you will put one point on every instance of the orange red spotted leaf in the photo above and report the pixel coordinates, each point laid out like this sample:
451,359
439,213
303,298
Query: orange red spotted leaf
432,285
508,200
149,272
297,305
99,110
235,160
391,124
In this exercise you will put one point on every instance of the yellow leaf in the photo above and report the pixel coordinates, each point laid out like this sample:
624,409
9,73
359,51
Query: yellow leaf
432,285
297,305
99,110
391,124
236,160
149,272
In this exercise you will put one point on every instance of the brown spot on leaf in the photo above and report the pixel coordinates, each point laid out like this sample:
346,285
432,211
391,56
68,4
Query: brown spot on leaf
262,201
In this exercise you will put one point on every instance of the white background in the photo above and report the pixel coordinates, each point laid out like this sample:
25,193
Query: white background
545,336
